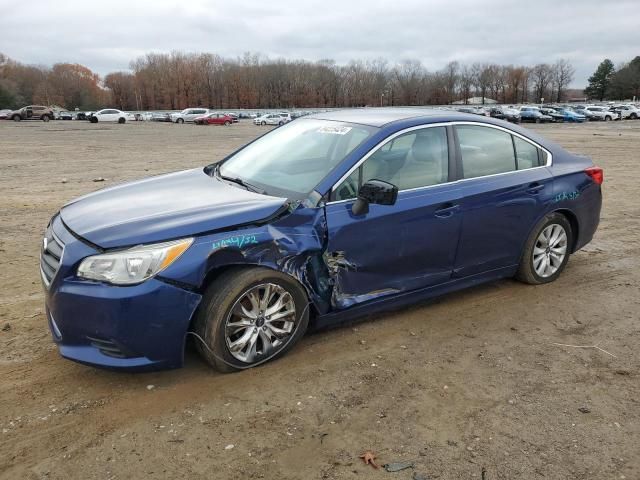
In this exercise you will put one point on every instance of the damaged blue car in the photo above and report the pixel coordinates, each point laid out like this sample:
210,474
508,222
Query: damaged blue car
330,217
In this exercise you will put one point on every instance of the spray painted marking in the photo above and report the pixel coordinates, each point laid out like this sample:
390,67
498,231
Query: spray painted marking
236,241
566,196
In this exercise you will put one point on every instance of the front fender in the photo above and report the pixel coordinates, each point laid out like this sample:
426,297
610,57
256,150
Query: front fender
292,244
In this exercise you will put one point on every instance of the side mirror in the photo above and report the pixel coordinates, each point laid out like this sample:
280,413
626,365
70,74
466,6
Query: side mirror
374,191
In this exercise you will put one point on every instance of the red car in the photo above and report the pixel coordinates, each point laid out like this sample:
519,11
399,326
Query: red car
214,119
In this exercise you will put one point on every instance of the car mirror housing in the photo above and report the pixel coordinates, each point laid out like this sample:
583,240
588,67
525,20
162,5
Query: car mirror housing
377,192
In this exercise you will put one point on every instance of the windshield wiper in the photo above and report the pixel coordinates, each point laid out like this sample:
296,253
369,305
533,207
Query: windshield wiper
240,182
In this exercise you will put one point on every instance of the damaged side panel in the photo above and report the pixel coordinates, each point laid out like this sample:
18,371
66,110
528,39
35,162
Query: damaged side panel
292,244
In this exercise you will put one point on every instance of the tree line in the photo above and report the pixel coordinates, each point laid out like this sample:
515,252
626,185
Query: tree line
176,80
609,83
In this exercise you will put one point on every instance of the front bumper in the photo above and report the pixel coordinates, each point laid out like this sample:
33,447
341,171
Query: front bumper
140,327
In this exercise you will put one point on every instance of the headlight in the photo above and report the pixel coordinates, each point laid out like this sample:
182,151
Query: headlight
135,265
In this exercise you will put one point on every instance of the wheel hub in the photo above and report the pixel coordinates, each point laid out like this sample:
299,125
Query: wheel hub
260,323
550,250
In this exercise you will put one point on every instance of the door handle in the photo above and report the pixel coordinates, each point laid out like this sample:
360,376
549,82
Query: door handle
446,210
535,188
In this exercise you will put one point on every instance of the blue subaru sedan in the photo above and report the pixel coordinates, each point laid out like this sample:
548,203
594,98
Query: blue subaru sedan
330,217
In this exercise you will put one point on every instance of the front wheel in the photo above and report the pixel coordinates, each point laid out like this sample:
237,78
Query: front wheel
227,123
180,120
94,120
121,120
607,118
633,116
547,250
45,118
263,123
16,118
248,317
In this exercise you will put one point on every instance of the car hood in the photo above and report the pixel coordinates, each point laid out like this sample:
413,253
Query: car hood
169,206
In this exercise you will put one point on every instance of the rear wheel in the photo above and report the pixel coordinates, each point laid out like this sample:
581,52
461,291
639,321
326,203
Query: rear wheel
45,118
227,123
633,116
263,123
547,250
248,317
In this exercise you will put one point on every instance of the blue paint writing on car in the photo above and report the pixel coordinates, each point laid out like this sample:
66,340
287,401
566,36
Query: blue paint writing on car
236,241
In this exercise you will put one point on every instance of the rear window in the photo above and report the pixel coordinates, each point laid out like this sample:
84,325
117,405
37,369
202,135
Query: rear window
485,151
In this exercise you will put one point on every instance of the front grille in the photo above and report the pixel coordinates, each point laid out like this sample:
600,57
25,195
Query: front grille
107,347
50,255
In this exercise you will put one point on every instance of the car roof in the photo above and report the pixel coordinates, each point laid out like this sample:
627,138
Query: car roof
380,116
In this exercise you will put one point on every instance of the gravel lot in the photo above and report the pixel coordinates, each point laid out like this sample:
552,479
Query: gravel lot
467,382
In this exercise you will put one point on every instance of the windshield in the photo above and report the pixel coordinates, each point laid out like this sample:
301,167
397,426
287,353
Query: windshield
291,160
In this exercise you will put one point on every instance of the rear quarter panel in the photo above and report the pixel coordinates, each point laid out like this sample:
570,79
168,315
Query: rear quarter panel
575,193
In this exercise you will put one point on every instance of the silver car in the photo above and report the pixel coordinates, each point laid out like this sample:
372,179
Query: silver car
599,113
272,119
188,115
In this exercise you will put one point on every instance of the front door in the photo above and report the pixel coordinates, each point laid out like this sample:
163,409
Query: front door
401,247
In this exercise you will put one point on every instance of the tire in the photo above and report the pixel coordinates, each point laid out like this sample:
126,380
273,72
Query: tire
45,118
535,249
122,120
263,123
607,118
227,123
633,116
280,123
537,120
180,120
216,309
94,120
16,118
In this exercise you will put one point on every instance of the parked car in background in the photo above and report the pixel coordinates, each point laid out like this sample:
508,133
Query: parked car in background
32,112
83,115
601,113
4,114
626,111
271,119
533,114
472,110
570,115
110,115
215,118
505,113
234,116
582,110
188,115
160,117
296,229
64,115
553,113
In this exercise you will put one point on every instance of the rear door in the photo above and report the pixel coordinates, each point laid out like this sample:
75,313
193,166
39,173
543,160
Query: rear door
400,247
505,185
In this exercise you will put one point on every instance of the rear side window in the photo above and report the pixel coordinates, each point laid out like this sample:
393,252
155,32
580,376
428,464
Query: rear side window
485,151
527,154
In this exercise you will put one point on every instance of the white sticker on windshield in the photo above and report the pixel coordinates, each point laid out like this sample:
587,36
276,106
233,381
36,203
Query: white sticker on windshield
335,130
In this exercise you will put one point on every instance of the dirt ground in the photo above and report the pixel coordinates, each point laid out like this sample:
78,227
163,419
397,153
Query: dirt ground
469,382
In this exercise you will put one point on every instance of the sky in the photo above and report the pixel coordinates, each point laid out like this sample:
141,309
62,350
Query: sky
106,35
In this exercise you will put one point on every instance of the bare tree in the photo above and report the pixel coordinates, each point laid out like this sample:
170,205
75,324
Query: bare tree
563,73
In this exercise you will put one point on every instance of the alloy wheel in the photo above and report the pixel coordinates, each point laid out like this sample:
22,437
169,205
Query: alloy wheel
260,322
550,250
